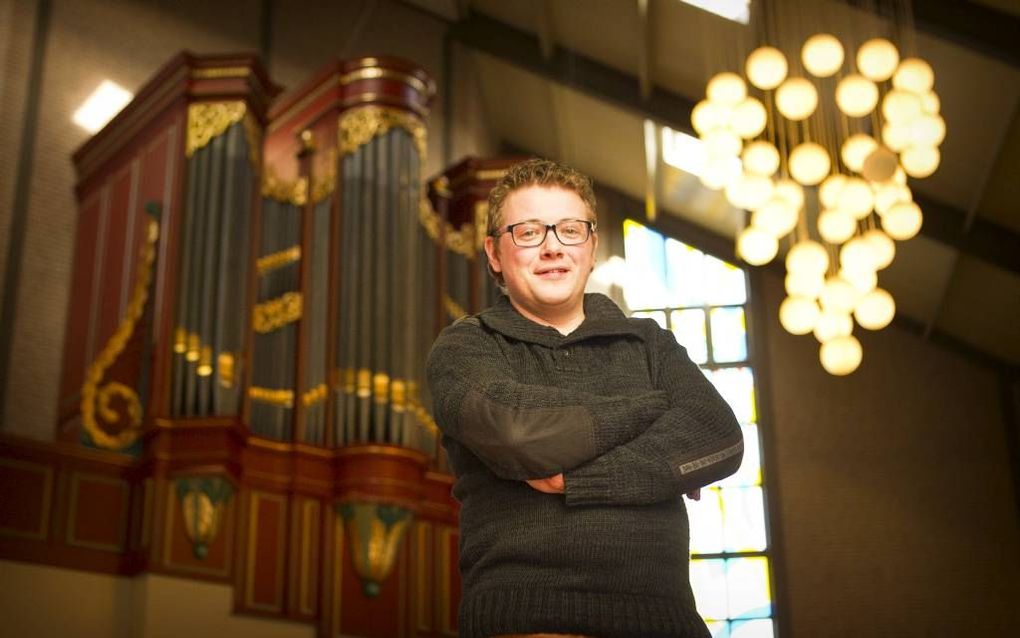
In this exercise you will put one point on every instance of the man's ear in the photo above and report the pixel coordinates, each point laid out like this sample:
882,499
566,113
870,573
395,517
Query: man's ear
492,253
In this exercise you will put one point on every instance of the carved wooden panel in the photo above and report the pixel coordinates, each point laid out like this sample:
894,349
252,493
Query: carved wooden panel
27,490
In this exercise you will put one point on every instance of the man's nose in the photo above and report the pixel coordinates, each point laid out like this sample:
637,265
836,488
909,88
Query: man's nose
552,242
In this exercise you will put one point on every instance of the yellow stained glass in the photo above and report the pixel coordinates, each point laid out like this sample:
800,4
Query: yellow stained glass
725,284
689,329
718,628
736,385
743,519
747,587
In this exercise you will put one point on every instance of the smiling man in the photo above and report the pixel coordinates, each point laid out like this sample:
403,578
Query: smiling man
573,432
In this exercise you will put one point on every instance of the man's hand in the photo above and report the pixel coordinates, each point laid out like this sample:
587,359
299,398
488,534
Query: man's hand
550,485
694,495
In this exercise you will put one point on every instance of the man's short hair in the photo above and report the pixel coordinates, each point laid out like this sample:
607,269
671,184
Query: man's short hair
536,172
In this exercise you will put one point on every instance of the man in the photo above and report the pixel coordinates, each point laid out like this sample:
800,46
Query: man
573,432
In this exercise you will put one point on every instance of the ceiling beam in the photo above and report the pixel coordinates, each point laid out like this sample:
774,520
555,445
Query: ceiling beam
971,25
942,222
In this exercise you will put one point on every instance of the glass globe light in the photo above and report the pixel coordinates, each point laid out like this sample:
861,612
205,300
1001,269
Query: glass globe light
719,171
749,191
857,256
809,163
875,310
721,143
902,221
863,281
756,247
726,88
761,158
914,75
838,295
896,136
792,192
882,246
836,225
877,59
804,284
900,176
831,325
880,165
822,55
708,116
920,161
766,68
856,149
927,130
841,355
798,315
807,256
930,103
899,106
856,95
796,98
776,217
828,190
889,194
856,198
748,118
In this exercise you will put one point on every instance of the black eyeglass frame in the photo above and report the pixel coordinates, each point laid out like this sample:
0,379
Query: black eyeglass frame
591,224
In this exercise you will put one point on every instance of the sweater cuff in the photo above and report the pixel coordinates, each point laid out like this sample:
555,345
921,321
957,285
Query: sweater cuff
587,485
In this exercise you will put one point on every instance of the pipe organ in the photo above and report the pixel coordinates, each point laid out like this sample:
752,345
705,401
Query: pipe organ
257,282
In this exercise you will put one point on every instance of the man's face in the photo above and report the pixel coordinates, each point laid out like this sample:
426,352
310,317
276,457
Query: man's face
546,280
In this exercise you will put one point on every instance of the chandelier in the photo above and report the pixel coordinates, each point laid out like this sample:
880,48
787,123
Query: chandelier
819,126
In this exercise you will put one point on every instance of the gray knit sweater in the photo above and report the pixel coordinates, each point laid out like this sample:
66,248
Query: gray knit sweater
622,412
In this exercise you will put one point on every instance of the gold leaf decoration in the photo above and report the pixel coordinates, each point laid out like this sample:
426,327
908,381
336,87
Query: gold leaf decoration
209,120
276,313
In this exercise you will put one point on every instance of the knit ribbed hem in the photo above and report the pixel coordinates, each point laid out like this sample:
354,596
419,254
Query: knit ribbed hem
606,615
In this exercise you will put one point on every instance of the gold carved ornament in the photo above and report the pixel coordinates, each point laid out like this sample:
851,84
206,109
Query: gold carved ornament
279,398
276,313
289,192
453,309
272,261
95,400
209,120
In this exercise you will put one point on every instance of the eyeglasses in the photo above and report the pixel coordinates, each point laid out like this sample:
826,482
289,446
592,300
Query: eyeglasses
569,232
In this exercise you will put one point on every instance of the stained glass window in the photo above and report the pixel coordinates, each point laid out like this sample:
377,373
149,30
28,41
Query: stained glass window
702,300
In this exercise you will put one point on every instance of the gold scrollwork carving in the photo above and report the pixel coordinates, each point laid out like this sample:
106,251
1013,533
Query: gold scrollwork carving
314,395
323,186
461,241
359,125
225,369
253,133
279,259
209,120
279,398
289,192
95,399
276,313
481,223
381,387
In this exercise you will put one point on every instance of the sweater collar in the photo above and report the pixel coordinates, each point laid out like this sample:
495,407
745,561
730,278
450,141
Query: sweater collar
602,318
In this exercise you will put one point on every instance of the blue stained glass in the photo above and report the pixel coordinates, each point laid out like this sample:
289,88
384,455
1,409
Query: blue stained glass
752,629
729,335
684,274
747,587
645,253
719,628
